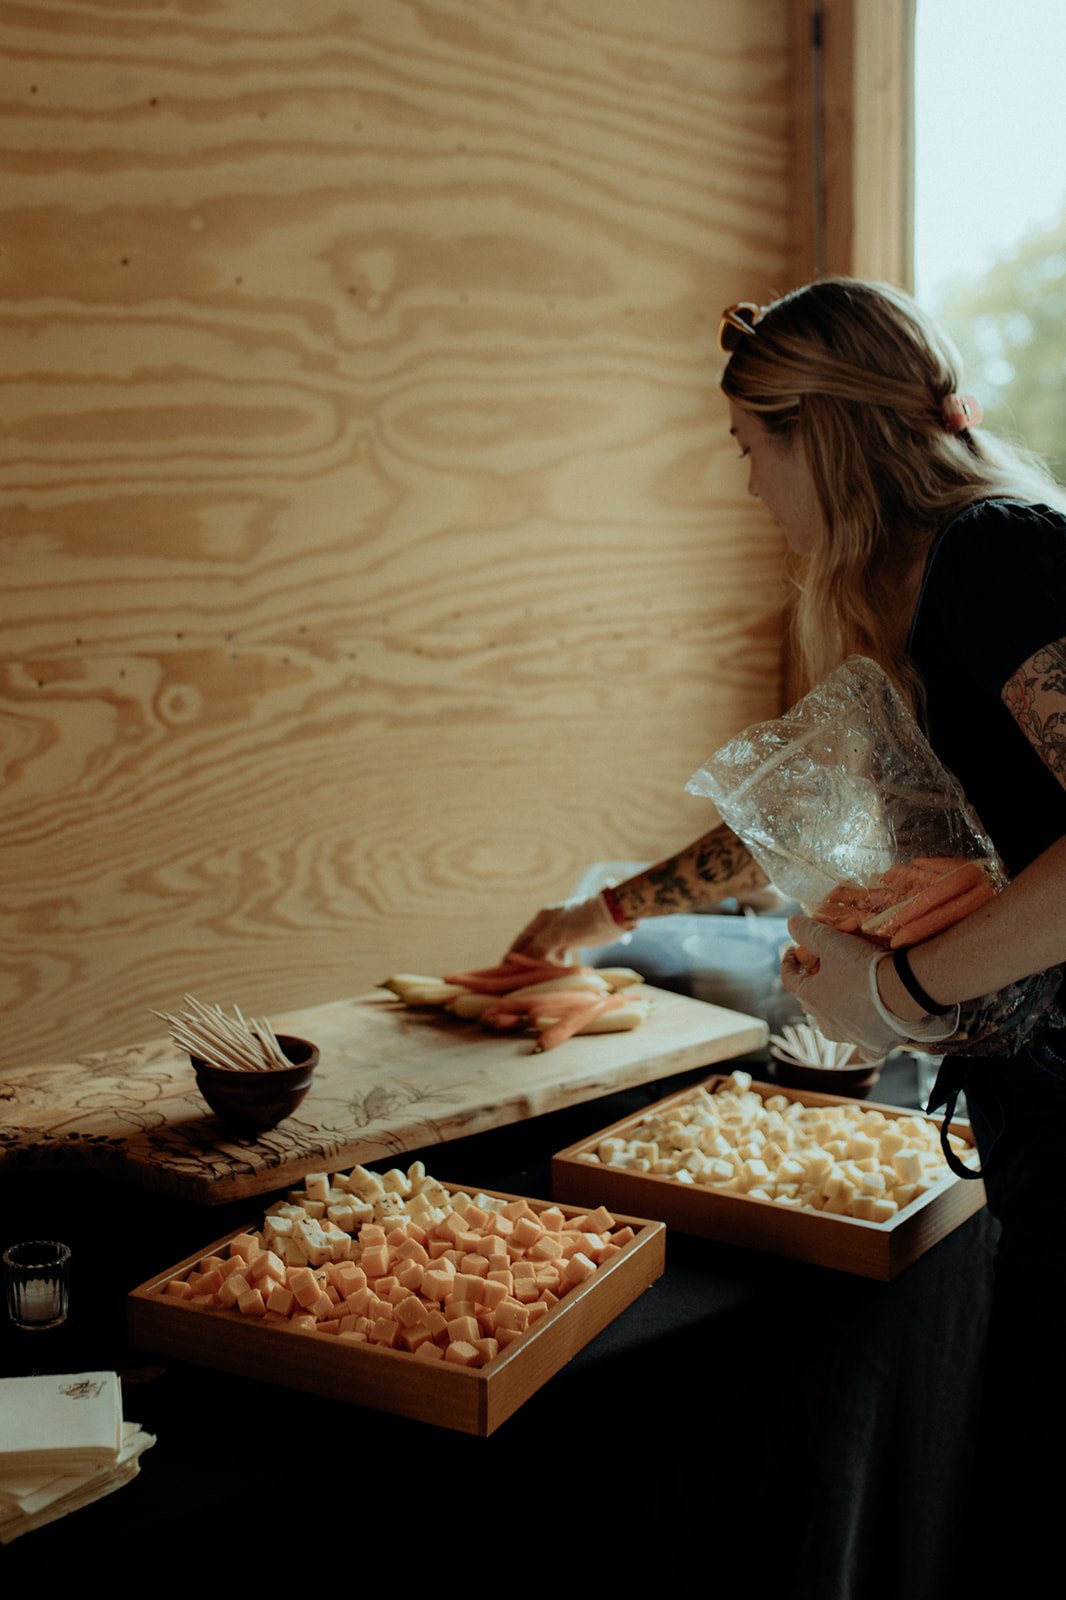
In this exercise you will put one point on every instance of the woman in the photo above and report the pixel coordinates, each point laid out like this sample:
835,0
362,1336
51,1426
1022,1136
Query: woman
924,544
843,399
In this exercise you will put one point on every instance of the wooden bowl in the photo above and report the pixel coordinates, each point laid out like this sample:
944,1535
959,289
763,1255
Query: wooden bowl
252,1102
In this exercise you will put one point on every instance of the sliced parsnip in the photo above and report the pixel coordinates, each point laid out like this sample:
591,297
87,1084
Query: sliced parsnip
401,980
416,991
467,1005
621,1021
631,1015
619,977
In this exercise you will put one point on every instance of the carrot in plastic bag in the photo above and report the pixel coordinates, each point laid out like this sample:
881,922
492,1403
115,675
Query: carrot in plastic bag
944,916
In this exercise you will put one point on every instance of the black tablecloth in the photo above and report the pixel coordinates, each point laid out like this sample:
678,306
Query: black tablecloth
748,1420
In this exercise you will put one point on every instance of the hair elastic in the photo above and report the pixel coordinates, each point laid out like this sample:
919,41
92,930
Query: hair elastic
902,965
610,900
959,412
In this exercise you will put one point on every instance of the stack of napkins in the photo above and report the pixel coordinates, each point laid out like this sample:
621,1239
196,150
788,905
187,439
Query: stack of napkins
63,1444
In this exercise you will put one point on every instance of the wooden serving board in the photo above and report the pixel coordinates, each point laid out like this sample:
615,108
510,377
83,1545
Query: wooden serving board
470,1400
847,1244
389,1079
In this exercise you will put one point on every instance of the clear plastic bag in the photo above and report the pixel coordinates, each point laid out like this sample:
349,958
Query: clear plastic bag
842,789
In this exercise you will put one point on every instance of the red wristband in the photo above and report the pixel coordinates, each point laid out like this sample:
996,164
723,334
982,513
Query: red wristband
610,900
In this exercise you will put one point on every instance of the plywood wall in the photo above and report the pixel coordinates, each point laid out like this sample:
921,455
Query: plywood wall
374,553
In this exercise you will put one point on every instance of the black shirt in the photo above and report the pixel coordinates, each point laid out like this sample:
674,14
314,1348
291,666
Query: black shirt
994,592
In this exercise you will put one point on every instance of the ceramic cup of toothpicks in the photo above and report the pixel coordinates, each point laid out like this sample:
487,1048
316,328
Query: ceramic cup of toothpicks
250,1076
805,1059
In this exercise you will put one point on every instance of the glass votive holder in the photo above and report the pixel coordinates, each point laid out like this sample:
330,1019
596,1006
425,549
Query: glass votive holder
37,1282
926,1068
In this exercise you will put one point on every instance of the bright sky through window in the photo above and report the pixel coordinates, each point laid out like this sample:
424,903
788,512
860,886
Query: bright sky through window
990,105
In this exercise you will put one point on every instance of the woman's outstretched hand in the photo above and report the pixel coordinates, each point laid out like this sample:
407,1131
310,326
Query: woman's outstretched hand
557,931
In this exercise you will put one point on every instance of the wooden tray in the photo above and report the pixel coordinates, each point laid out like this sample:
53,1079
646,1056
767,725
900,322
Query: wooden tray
847,1244
469,1400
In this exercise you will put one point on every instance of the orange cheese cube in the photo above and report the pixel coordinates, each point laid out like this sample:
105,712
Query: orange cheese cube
385,1331
410,1276
511,1316
527,1231
412,1313
410,1250
414,1338
281,1300
493,1293
235,1285
268,1265
348,1277
305,1286
546,1248
375,1260
577,1269
462,1353
437,1285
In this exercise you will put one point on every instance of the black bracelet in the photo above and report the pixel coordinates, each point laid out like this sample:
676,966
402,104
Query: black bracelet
901,962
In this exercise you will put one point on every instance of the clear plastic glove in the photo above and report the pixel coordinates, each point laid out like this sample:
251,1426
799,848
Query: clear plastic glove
838,991
557,931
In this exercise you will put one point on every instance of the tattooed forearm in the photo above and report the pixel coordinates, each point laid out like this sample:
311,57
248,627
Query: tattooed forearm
709,870
1035,696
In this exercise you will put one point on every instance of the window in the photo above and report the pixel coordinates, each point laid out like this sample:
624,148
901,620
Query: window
990,204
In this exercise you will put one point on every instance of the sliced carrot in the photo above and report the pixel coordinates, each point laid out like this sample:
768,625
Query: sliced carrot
909,878
949,886
494,980
565,1029
531,1005
945,916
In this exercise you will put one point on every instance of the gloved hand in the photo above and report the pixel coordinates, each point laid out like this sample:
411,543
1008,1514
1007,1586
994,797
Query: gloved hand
839,993
558,930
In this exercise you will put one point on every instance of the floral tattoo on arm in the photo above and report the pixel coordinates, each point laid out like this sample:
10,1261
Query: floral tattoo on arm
1035,696
715,866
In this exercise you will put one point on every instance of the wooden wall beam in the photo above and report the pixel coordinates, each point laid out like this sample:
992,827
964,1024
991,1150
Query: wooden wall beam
853,154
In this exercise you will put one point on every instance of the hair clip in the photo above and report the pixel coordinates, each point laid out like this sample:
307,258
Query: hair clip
736,321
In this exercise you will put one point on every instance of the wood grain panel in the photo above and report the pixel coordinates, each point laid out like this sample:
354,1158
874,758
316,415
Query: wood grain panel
374,554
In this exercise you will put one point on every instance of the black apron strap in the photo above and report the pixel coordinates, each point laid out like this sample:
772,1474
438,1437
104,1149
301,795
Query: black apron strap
950,1083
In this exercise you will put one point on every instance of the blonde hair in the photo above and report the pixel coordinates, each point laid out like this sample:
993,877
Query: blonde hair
856,374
